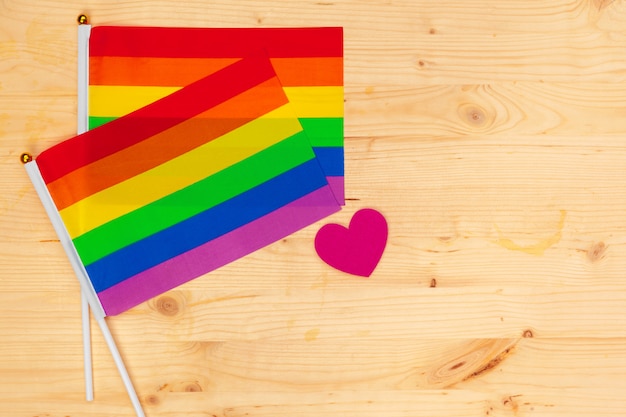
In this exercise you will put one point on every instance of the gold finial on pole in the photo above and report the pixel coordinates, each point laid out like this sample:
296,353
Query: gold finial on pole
82,19
26,158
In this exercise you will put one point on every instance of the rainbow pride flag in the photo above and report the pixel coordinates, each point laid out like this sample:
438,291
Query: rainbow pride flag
131,67
189,182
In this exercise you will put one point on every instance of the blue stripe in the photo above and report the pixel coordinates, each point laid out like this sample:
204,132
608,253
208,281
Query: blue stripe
206,226
331,160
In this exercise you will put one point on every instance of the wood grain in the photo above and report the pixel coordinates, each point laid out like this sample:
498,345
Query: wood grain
492,137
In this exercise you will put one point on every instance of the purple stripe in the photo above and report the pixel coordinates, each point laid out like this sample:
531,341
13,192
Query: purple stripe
219,252
337,185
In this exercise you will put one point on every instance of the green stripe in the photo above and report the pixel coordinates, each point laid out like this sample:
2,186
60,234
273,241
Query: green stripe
193,199
99,121
322,132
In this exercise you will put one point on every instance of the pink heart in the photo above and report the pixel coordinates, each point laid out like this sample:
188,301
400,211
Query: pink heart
357,249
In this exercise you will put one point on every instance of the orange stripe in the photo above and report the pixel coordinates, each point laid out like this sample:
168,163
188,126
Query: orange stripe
167,144
177,72
313,72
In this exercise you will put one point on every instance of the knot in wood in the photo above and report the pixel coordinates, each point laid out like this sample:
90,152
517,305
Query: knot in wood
167,305
596,252
469,361
474,115
152,400
193,387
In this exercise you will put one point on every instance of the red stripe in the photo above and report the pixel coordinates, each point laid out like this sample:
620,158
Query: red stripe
148,121
215,42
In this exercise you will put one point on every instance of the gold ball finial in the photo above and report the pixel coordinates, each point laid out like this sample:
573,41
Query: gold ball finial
26,157
82,19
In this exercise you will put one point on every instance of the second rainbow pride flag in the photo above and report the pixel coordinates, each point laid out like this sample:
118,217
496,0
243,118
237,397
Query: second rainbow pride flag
131,67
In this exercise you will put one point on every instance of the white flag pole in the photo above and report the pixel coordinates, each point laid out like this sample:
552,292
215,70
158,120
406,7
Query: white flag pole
87,288
84,31
121,367
87,361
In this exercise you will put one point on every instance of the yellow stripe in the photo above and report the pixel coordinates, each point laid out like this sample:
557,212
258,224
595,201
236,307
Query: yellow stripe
116,101
180,172
310,102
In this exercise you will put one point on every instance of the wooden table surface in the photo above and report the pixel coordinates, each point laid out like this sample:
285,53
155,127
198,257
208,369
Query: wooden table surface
491,135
